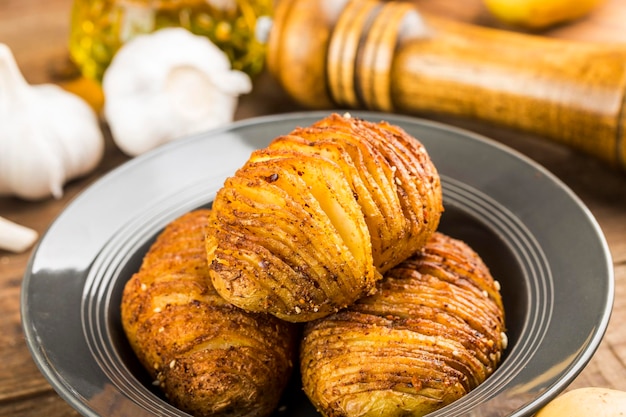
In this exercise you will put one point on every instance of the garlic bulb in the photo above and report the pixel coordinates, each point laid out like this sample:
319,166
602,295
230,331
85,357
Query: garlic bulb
14,237
47,135
168,84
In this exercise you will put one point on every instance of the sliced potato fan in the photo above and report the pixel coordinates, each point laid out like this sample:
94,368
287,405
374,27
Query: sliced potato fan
209,357
432,332
309,224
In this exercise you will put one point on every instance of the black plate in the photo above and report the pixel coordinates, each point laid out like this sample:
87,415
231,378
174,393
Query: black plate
539,240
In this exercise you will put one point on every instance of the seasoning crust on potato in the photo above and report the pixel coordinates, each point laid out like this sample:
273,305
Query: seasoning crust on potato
432,332
309,224
209,357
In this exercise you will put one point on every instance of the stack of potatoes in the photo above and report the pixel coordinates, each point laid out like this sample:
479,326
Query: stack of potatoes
322,249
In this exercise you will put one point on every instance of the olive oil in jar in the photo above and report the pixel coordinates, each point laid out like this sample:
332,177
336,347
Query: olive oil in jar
100,27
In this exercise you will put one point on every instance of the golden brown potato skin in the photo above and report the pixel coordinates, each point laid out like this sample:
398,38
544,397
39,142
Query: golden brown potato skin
432,332
209,357
309,224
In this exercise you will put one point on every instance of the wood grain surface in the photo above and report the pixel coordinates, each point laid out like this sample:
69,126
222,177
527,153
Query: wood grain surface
37,31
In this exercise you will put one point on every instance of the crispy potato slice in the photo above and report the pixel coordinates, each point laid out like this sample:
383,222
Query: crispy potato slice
209,357
369,180
414,180
328,187
335,151
432,332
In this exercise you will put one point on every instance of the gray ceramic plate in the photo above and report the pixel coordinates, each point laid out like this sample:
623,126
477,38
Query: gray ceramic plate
541,243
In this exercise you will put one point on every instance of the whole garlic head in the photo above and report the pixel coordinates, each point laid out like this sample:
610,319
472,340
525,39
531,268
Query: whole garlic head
168,84
47,135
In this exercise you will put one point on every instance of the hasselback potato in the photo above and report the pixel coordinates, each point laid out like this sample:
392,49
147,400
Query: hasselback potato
309,224
209,357
432,332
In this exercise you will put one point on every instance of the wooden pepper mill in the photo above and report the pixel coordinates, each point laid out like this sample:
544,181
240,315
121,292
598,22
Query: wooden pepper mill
387,56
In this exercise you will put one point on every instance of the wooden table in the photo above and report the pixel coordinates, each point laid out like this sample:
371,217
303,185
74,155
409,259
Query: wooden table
37,30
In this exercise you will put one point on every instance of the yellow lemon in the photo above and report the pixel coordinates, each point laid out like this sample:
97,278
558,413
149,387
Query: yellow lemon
539,14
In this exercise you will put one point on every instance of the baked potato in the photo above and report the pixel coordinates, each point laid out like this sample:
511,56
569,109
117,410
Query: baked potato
309,224
209,357
432,332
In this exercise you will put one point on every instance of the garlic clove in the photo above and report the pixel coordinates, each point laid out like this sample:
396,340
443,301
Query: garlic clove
14,237
168,84
48,136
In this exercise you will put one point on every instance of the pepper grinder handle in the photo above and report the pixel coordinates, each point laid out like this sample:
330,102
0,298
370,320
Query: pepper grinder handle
387,56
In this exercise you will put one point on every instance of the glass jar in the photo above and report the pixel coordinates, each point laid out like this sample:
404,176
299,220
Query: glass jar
100,27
